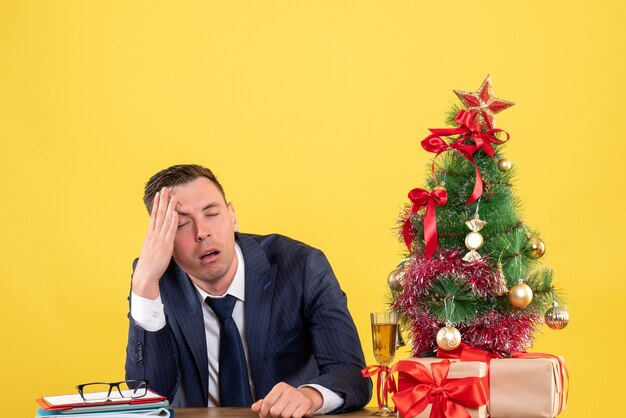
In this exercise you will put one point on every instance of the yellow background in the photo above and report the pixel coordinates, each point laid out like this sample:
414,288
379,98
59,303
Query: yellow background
311,114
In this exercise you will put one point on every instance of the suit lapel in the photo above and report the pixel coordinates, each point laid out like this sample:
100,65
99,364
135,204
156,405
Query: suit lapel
186,308
260,281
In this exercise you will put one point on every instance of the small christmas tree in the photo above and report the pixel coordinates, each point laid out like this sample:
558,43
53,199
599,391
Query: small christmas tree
472,273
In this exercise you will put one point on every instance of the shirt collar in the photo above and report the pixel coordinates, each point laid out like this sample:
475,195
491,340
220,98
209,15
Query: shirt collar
238,286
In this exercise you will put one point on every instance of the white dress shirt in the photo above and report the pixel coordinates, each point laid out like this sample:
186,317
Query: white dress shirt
149,315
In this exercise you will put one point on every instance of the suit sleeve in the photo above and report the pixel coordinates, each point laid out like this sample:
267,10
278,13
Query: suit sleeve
152,356
336,345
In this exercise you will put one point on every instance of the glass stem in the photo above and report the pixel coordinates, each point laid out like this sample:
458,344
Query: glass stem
383,383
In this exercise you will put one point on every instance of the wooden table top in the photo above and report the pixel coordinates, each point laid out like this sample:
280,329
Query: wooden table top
247,413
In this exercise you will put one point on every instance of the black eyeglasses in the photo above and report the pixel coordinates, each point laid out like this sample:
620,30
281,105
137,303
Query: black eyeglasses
103,391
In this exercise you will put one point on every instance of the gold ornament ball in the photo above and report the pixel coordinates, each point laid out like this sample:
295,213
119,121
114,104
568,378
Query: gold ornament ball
557,317
504,165
448,338
473,240
395,279
520,295
537,247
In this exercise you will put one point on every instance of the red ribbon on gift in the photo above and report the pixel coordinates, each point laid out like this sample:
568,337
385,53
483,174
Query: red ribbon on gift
423,198
386,383
449,397
562,369
466,352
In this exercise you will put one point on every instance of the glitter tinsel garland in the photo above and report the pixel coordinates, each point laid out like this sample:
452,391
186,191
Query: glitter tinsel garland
421,272
493,331
502,333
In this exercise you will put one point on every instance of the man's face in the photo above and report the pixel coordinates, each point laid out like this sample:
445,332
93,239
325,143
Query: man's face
205,240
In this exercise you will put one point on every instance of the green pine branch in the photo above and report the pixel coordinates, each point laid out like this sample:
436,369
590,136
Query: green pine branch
451,299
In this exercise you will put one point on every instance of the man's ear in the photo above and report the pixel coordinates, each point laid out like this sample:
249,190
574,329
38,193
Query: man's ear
233,216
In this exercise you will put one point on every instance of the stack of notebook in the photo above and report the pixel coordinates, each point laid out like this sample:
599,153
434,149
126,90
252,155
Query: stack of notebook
68,406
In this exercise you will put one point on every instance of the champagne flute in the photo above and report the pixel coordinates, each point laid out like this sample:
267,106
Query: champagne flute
384,332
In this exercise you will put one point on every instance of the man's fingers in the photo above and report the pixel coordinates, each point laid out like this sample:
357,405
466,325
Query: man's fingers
256,407
171,231
168,218
284,408
270,400
163,203
285,401
264,412
301,410
281,406
155,206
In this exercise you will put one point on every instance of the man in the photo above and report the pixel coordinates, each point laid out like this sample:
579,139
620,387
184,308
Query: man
294,351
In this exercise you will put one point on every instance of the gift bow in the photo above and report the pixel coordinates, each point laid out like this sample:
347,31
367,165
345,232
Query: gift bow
449,397
423,198
388,386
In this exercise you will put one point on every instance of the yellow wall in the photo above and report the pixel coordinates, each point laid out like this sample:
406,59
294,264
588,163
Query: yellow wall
311,113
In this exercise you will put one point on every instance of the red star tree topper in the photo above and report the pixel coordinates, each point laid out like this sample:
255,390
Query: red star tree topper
483,105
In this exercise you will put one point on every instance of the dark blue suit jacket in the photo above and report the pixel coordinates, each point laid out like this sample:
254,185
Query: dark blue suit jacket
298,328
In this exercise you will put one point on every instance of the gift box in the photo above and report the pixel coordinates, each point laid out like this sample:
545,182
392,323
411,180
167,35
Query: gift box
454,388
527,387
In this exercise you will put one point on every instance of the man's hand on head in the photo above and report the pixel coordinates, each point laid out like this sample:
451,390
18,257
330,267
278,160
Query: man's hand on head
158,246
285,401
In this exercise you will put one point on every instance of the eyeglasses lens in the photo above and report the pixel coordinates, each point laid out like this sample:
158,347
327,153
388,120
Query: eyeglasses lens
133,389
96,391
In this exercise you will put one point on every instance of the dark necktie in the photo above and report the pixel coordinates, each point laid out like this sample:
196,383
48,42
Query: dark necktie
233,373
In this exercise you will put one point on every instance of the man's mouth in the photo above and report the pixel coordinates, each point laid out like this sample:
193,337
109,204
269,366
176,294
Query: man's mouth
208,254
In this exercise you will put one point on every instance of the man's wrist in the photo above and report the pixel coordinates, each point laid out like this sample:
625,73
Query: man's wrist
147,313
331,401
144,287
316,398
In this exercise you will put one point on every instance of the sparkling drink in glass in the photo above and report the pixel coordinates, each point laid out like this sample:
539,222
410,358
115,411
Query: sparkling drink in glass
384,332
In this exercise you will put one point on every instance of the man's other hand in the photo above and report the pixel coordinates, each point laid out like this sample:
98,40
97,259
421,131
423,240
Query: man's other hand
285,401
158,246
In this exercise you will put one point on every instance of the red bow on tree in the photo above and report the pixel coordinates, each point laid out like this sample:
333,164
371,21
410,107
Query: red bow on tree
468,131
434,143
422,198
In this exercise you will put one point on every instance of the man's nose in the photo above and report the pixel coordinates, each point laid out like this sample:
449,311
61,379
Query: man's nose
203,231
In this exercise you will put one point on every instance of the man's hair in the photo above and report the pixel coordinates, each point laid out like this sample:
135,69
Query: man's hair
174,176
